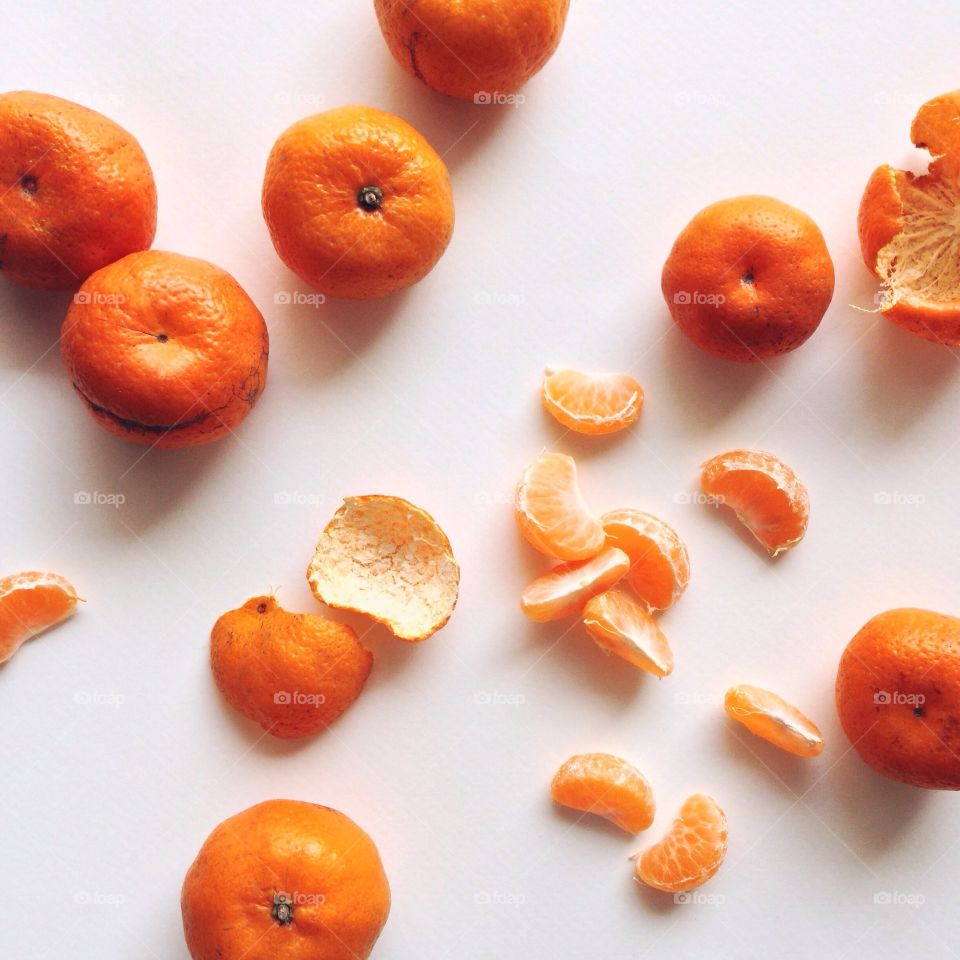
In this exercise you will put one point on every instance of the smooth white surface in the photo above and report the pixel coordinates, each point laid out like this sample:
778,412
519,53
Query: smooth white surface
119,756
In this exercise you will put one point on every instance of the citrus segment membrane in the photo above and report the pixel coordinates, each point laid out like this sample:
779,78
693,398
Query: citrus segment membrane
593,404
564,590
29,604
608,786
773,719
621,626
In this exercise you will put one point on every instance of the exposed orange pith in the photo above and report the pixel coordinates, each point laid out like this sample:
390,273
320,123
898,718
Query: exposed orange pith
593,404
773,719
608,786
564,590
29,604
386,558
766,495
623,627
910,229
551,512
659,564
691,853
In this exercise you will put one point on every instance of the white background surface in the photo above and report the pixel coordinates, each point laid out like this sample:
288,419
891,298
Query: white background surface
119,756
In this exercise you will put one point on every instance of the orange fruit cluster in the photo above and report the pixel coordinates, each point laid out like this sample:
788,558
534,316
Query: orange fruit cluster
169,351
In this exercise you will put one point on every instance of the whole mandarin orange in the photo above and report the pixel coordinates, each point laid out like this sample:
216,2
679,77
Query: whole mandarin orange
165,350
78,192
293,673
471,48
358,204
285,880
898,696
748,278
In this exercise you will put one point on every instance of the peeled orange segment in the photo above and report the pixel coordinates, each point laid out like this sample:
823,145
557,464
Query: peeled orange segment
592,403
621,626
29,604
691,853
551,512
766,495
909,229
384,557
564,590
603,784
659,564
773,719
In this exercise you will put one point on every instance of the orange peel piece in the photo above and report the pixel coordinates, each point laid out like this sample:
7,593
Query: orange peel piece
551,512
766,495
594,404
608,786
621,626
659,563
773,719
691,852
29,604
388,559
909,229
564,590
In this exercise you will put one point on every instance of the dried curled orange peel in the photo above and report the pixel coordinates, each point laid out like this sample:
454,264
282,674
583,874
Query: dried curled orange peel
29,604
909,229
388,559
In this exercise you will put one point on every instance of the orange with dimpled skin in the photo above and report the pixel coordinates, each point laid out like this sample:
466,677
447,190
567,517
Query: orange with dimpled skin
285,880
358,204
472,49
165,350
77,191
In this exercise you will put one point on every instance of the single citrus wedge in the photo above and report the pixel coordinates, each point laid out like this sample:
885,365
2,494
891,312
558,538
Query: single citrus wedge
592,403
29,604
773,719
551,512
564,590
691,853
766,495
623,627
659,564
608,786
384,557
909,229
